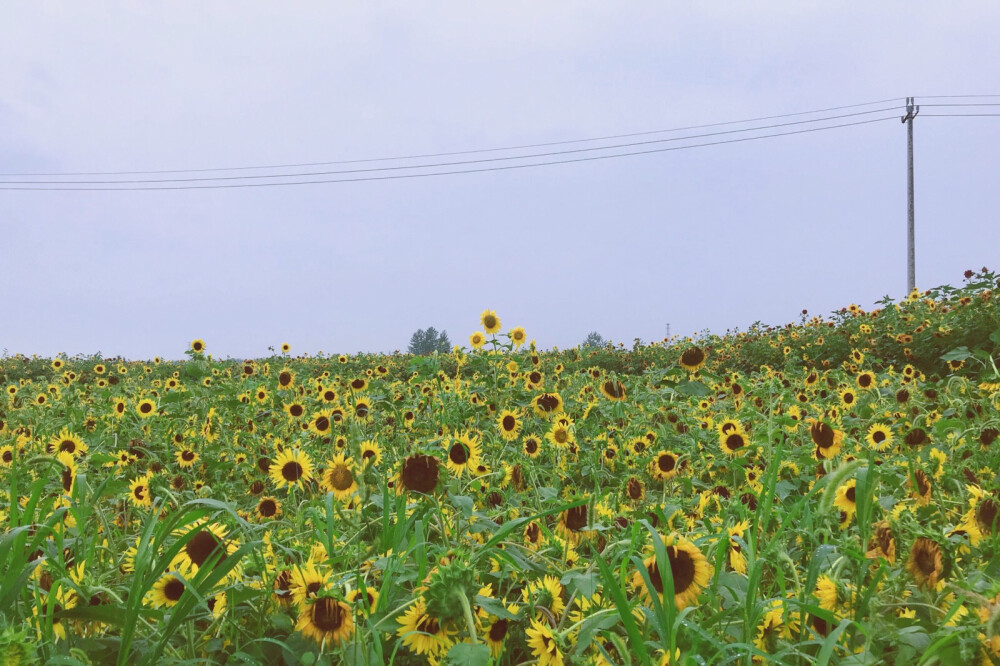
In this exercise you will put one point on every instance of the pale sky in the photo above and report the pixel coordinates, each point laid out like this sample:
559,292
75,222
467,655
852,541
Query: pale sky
715,237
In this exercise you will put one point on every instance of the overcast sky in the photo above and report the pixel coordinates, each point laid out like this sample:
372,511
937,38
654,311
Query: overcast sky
714,237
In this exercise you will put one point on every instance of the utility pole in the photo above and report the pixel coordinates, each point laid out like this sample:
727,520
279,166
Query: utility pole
911,274
668,331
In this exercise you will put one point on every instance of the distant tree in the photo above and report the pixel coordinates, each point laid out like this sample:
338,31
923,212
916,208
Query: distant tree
594,340
427,341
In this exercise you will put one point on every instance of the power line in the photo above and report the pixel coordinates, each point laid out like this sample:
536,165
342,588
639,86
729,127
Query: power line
952,115
461,152
437,164
453,172
966,104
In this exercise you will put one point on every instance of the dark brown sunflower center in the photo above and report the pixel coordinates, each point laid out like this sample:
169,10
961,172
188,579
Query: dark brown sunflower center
267,508
498,630
850,494
735,442
822,435
547,402
327,615
489,321
531,446
666,463
634,489
291,471
429,625
878,436
173,589
322,424
285,378
201,546
341,477
67,445
987,513
145,408
682,568
614,389
509,422
692,356
420,473
187,456
925,560
576,518
458,453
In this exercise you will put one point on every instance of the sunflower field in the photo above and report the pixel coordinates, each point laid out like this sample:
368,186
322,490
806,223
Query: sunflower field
821,492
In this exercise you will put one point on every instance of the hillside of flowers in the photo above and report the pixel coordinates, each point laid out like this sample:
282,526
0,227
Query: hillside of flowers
820,492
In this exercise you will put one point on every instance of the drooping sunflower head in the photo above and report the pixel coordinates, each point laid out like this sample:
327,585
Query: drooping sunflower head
692,358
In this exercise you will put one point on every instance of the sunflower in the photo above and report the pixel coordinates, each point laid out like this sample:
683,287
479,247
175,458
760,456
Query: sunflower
882,543
737,560
422,633
664,466
635,490
692,358
369,597
419,474
362,410
477,340
573,523
689,570
186,457
197,345
490,321
613,390
285,348
294,410
828,440
531,446
879,436
326,620
543,644
65,442
508,424
925,562
846,500
546,404
560,434
321,422
166,591
371,453
848,398
68,472
826,592
518,336
145,408
920,485
866,380
463,453
734,443
206,540
547,592
268,508
6,455
338,477
138,492
291,468
307,582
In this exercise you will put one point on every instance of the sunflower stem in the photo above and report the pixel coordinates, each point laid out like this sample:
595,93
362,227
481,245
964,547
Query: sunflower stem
467,610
